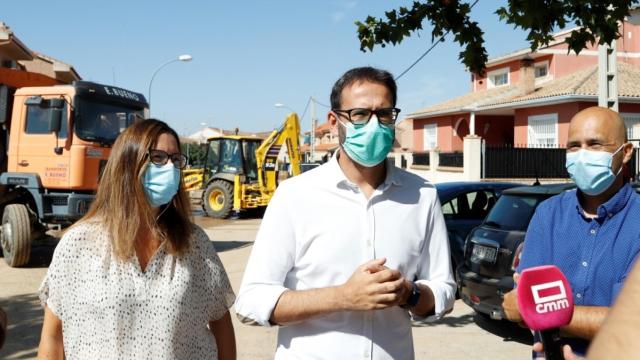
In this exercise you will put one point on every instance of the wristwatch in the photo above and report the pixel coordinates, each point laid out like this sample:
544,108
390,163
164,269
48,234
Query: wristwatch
414,297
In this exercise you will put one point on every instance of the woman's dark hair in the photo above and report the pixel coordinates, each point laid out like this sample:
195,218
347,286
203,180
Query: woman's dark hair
360,74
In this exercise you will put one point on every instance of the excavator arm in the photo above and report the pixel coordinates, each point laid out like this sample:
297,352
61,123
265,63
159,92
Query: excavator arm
267,154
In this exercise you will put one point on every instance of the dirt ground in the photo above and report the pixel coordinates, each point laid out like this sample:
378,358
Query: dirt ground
461,335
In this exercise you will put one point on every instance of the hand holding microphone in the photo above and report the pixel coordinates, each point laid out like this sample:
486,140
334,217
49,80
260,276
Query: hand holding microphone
545,302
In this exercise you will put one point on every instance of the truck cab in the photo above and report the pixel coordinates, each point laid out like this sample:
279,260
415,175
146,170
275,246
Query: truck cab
59,139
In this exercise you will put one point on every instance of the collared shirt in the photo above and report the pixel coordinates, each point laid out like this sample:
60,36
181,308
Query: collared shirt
595,254
111,309
317,230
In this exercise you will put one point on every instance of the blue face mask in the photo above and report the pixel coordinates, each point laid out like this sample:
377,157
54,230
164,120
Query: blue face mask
161,183
591,170
368,144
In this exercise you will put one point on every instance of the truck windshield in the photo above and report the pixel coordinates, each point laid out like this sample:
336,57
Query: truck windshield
102,122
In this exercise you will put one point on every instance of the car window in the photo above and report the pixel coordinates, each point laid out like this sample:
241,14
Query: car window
450,208
472,205
480,203
513,212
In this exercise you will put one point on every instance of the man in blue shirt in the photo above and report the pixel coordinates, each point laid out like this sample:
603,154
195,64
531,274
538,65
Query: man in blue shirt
592,234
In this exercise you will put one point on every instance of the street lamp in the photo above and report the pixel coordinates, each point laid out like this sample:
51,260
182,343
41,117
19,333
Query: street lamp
281,105
184,58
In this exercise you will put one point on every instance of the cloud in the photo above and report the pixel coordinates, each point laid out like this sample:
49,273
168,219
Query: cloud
339,15
350,4
429,91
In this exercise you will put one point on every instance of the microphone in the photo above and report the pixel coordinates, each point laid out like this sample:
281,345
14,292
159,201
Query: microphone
546,303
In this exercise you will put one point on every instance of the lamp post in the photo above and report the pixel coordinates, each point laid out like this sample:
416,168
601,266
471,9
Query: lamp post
184,58
281,105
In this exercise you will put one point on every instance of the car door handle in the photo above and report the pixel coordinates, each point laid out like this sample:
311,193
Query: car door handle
23,163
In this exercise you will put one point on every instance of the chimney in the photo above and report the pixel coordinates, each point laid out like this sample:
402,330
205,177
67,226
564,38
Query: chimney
527,76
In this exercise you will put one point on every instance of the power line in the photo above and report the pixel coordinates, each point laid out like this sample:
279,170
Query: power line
321,104
429,49
306,107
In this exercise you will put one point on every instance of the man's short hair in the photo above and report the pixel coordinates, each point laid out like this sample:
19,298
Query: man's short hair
359,74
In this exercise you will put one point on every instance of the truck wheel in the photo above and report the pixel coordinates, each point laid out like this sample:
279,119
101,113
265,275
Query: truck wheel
218,199
16,235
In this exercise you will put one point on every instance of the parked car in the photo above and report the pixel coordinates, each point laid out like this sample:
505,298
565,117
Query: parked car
464,206
304,167
492,250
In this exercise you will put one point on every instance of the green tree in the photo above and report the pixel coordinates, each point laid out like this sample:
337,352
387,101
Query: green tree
196,154
597,19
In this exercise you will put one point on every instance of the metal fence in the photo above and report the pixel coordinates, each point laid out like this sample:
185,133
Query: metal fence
454,159
421,158
634,163
520,162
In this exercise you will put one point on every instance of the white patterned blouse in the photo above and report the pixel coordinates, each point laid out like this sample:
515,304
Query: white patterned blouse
110,309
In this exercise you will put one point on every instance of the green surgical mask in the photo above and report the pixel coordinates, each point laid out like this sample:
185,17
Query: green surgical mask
368,144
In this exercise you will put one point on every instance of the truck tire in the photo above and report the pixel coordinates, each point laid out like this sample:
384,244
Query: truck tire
16,235
218,199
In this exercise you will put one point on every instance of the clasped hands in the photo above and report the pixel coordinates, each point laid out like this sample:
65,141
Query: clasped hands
373,286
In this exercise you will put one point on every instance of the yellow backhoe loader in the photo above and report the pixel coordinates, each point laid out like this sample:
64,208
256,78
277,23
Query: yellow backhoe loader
241,172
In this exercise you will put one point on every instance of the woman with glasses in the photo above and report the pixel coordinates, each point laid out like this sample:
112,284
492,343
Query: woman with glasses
135,278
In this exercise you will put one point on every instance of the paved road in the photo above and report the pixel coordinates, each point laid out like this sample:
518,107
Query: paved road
461,335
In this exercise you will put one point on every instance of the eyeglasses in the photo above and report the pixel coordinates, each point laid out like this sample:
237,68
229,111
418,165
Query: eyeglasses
386,116
160,158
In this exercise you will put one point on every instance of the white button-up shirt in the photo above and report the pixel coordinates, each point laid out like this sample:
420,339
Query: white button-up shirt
317,230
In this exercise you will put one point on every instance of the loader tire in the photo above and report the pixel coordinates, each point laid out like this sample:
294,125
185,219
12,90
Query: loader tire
218,199
16,235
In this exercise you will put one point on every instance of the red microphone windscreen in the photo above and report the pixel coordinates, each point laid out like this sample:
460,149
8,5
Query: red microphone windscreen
544,298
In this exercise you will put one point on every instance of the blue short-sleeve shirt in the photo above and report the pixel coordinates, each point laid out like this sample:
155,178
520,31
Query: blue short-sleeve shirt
594,254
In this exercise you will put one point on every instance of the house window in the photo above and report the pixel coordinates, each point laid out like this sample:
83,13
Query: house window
430,136
631,119
542,70
542,131
498,77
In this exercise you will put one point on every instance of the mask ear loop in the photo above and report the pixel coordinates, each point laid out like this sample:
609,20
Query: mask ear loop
614,153
162,212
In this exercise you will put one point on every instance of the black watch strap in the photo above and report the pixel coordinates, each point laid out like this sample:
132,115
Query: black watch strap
415,295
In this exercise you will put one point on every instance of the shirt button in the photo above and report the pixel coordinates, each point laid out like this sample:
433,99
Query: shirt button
579,296
593,231
584,263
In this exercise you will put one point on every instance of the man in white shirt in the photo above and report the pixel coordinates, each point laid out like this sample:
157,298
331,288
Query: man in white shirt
349,252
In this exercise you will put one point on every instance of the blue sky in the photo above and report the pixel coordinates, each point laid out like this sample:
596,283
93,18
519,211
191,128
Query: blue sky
248,55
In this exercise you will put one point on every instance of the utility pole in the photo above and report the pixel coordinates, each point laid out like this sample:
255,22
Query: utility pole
608,76
312,140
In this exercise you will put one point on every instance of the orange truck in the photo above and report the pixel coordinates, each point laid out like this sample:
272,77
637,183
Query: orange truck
54,143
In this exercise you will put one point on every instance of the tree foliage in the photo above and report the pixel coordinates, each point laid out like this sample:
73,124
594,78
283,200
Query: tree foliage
597,20
196,154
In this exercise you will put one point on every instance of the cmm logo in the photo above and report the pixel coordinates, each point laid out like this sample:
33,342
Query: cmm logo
550,296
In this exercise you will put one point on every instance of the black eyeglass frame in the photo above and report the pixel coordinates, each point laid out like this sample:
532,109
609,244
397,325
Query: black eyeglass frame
395,112
177,159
